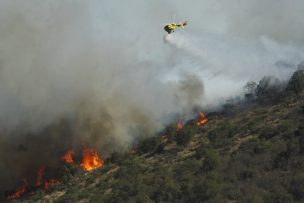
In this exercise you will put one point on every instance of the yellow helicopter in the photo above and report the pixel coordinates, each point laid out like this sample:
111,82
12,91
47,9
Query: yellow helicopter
171,27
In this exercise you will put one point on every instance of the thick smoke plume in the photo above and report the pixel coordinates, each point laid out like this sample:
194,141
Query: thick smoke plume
99,73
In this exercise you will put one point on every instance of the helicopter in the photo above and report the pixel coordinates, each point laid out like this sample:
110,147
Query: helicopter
172,26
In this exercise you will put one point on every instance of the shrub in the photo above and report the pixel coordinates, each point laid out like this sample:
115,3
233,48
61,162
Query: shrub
221,137
250,90
297,187
186,169
168,190
296,82
205,189
183,136
301,142
268,87
276,191
254,146
149,144
129,168
268,132
281,160
211,160
201,151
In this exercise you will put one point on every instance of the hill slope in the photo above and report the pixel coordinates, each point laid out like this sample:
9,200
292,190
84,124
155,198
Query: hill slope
251,154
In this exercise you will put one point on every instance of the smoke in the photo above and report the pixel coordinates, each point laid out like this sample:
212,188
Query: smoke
99,73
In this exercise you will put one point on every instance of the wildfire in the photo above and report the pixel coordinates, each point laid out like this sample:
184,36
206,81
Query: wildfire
40,175
50,183
40,182
20,191
203,119
179,125
68,157
91,160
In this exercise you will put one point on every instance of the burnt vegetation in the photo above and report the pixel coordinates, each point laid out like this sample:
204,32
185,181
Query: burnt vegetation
252,154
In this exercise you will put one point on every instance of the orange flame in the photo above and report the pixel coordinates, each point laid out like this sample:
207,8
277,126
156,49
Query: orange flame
50,183
203,119
91,160
20,191
68,157
40,175
179,125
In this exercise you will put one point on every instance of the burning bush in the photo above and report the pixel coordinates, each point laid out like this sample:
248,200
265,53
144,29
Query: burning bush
44,179
21,190
202,119
91,160
68,157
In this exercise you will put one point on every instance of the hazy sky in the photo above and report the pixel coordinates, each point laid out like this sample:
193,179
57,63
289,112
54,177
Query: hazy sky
114,55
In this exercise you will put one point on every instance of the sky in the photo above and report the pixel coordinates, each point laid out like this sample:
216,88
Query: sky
115,57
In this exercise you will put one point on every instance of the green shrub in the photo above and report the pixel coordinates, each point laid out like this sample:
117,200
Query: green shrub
168,190
296,82
268,87
268,132
254,146
205,189
184,135
201,151
211,160
129,168
160,148
278,194
281,160
297,187
219,137
186,169
301,142
148,144
250,90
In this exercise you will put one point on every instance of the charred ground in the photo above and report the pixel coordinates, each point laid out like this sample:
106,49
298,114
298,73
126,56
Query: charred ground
248,152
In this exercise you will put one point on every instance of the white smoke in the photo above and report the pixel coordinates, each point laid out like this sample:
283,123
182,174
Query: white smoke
58,58
225,63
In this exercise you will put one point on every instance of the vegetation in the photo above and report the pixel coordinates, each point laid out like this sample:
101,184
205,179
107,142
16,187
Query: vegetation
251,155
296,83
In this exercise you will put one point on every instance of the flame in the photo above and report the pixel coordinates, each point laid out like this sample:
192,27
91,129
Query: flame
50,183
68,157
20,191
203,119
40,175
179,125
91,160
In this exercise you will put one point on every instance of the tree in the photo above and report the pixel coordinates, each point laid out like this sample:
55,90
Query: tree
268,87
250,90
296,82
148,144
211,160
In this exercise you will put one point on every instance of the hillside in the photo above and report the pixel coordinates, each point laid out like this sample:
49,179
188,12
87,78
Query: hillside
248,152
